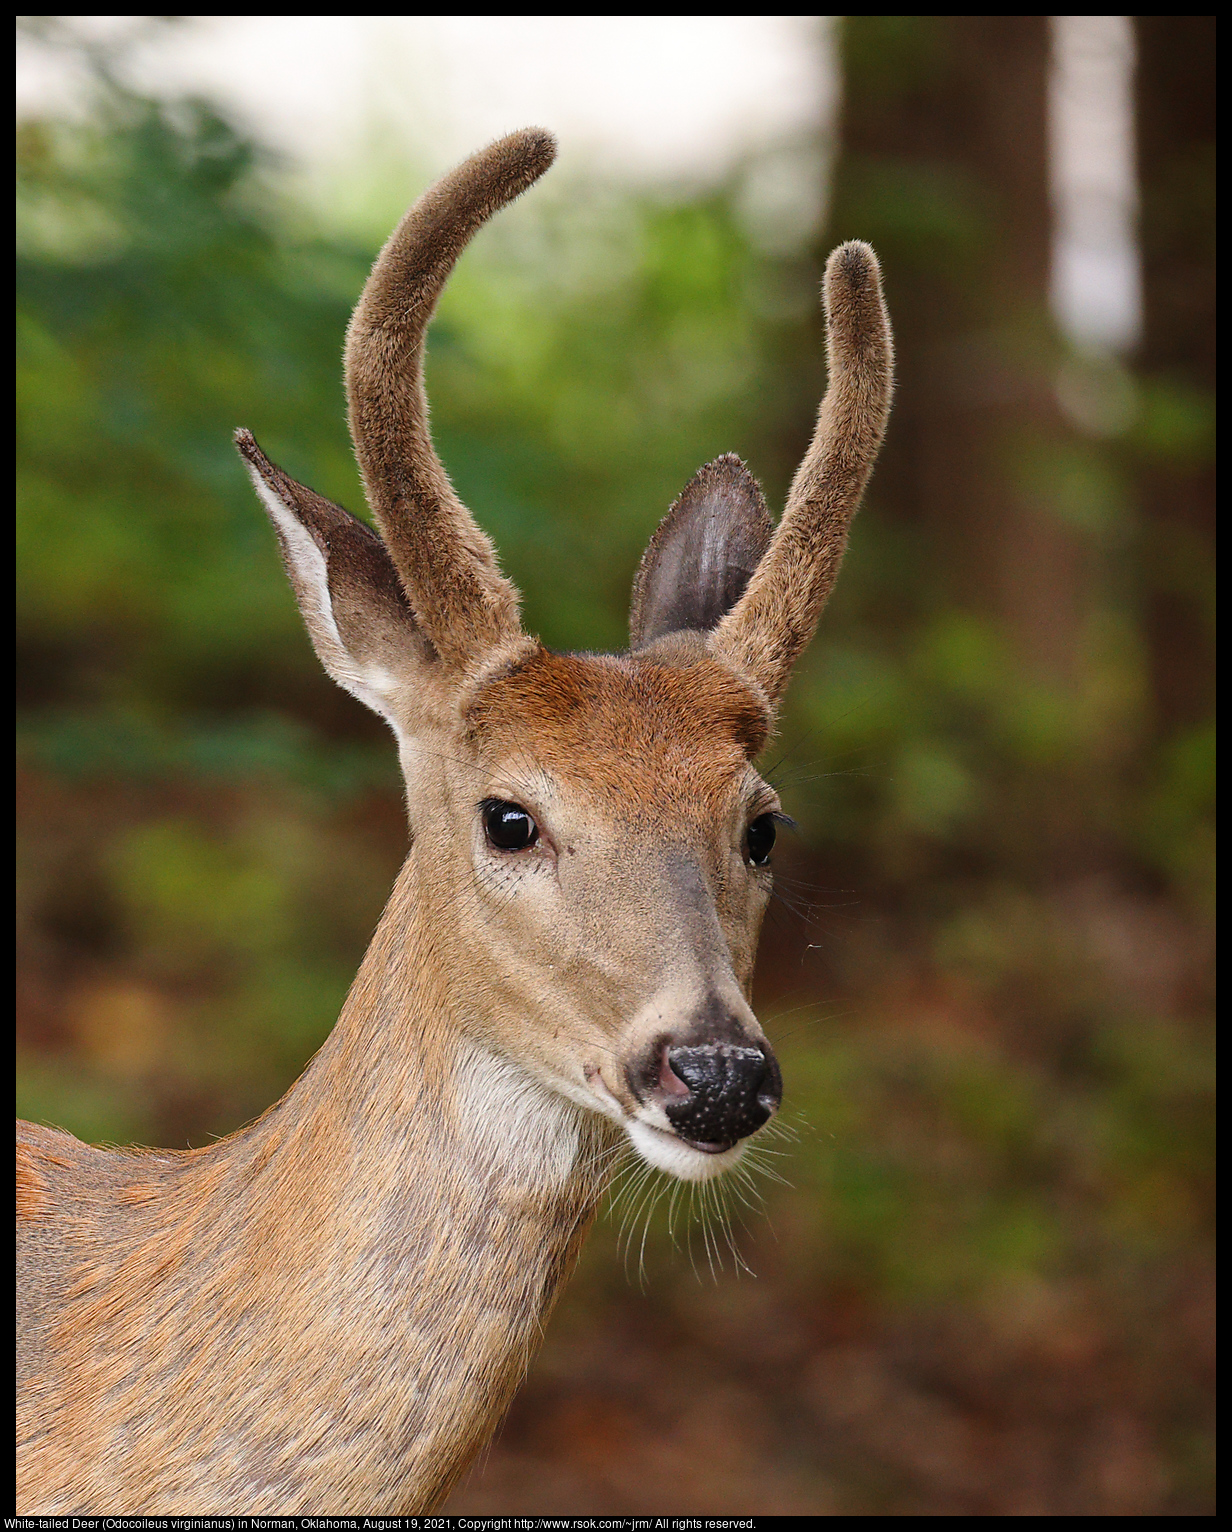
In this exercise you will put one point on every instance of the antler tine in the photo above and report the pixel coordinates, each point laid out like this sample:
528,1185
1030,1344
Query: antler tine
767,630
447,565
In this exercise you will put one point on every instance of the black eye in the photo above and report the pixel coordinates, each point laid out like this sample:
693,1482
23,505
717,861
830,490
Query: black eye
509,826
759,839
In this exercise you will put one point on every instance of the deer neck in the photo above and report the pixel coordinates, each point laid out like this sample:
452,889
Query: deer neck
440,1197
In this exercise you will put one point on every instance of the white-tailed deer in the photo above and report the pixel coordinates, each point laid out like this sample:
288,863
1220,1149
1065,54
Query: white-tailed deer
330,1310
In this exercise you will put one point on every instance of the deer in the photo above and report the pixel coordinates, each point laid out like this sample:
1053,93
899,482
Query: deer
331,1309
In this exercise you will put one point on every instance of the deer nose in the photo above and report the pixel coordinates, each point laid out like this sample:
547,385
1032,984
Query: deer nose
730,1090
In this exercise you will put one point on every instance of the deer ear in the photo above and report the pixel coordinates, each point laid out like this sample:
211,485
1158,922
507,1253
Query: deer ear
348,591
706,548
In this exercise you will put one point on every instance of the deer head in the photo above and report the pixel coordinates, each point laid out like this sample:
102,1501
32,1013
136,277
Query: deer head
589,836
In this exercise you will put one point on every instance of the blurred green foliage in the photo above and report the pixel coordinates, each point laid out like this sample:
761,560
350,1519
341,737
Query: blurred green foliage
1000,1083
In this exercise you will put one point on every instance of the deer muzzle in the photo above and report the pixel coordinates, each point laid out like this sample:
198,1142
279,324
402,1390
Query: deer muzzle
710,1083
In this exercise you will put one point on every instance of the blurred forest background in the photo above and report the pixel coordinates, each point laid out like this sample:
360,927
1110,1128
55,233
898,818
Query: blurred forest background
984,1281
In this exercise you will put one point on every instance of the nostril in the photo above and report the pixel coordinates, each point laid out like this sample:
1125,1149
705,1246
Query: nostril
670,1082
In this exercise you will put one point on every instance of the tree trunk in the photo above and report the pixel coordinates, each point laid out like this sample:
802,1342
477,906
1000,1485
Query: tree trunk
1176,165
944,168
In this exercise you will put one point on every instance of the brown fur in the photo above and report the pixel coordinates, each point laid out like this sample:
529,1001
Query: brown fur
652,736
330,1310
31,1187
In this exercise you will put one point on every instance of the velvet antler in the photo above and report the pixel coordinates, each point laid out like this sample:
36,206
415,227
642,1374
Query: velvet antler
768,628
446,563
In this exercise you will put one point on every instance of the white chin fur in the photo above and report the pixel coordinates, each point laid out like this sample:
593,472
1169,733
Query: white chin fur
667,1152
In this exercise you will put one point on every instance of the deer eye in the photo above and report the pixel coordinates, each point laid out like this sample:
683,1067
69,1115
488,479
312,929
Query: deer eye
759,839
509,827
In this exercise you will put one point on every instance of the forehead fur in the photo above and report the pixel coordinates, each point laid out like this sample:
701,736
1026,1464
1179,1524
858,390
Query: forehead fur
622,725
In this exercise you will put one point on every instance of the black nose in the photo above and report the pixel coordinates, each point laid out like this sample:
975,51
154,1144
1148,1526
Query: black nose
733,1090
